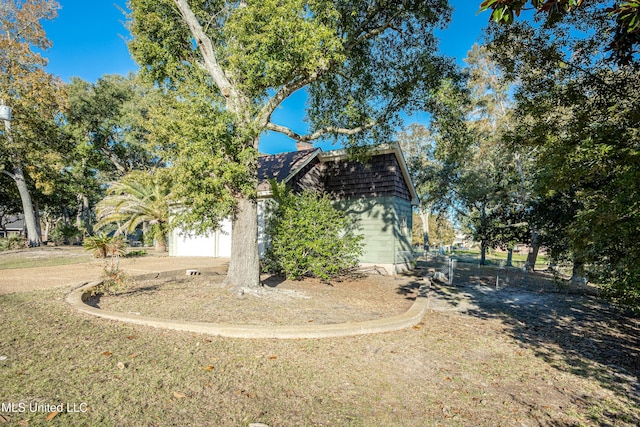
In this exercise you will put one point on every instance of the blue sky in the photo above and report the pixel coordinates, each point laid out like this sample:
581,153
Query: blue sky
89,41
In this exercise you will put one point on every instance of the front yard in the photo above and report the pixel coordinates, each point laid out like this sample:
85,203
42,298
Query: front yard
516,355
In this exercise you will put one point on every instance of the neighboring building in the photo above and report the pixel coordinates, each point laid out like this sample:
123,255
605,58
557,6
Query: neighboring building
13,226
377,194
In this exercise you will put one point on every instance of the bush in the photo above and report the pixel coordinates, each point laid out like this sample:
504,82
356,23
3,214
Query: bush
14,241
309,237
115,281
103,245
65,234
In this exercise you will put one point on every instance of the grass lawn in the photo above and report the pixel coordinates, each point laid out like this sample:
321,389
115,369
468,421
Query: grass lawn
489,364
496,257
45,256
48,256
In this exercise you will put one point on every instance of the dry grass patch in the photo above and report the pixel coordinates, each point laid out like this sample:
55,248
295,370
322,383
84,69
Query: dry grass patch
480,357
278,302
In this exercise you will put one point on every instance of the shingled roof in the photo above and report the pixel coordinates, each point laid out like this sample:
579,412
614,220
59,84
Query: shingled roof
282,167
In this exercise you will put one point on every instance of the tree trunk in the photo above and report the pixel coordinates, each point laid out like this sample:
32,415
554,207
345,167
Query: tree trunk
79,212
424,216
532,256
244,265
483,240
510,257
578,274
36,214
47,228
86,213
483,252
27,206
161,244
35,239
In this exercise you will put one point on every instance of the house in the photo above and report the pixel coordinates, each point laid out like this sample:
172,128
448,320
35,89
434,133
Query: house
377,194
12,225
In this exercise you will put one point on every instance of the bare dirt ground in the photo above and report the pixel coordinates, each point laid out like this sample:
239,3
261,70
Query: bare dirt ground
279,302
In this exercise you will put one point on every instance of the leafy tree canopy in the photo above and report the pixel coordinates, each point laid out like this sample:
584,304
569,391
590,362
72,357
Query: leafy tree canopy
361,62
622,35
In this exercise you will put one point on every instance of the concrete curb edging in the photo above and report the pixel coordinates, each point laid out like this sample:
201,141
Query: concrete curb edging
76,298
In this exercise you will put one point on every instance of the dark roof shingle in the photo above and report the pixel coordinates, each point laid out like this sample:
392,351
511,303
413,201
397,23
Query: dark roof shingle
280,166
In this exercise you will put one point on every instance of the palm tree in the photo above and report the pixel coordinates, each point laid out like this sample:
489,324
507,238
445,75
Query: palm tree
138,198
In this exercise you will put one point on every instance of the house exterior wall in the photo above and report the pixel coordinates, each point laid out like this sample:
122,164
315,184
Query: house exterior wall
381,176
385,224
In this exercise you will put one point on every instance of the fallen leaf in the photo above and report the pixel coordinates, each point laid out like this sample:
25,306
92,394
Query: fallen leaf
107,353
133,355
52,415
209,368
23,423
416,327
310,320
130,337
179,395
273,357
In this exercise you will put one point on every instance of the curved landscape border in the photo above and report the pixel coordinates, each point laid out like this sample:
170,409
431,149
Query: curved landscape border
77,297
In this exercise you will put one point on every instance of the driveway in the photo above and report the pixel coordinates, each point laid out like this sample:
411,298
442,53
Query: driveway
29,279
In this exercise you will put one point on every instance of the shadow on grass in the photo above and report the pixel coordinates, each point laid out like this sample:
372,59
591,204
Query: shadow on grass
94,300
580,334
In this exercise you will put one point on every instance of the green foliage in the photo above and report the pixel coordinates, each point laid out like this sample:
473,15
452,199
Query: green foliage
114,281
227,66
139,197
104,246
13,242
622,35
65,234
580,114
209,167
441,231
107,120
32,152
136,253
309,237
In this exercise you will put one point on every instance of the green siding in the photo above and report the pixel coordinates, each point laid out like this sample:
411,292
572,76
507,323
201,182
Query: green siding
385,223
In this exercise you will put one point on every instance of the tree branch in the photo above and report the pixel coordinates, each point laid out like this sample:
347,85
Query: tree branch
9,174
287,90
320,132
234,99
359,38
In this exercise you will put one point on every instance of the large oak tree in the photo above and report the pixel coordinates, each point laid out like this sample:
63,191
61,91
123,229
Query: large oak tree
235,62
28,147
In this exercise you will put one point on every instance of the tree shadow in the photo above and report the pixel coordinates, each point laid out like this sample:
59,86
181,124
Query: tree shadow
580,334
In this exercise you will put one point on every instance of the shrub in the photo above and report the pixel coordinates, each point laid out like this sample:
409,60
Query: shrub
110,248
65,234
309,237
103,245
115,280
13,241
